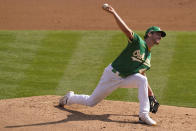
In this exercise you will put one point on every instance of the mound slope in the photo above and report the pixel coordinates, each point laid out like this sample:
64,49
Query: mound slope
42,113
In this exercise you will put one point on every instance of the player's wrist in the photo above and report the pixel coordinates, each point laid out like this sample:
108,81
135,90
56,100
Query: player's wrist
150,93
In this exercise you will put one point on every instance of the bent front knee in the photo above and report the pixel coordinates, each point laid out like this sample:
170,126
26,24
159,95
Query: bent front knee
142,80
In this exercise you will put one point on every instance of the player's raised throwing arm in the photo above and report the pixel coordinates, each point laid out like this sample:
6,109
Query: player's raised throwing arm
128,32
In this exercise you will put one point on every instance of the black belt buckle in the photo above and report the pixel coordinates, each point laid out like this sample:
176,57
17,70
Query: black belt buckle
123,76
114,71
119,74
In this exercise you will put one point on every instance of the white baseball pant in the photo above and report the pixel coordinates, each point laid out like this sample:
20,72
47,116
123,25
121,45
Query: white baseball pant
111,81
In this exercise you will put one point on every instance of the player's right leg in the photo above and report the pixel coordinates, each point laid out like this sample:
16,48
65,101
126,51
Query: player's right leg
108,83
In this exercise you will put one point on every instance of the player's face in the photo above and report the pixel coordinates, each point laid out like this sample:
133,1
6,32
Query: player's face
156,37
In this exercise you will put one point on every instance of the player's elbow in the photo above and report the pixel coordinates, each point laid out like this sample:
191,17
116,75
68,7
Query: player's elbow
129,34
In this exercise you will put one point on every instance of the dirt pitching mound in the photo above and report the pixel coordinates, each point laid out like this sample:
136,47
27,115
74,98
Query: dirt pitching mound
41,113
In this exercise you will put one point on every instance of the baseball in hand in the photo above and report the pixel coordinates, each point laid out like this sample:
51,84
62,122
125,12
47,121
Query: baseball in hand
105,6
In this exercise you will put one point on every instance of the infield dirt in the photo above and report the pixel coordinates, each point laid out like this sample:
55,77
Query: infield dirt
41,113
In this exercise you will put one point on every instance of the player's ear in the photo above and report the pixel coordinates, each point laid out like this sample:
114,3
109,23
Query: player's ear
150,34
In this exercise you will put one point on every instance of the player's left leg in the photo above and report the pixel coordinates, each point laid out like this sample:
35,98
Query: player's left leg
139,81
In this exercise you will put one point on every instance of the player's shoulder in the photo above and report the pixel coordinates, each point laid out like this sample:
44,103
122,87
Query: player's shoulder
136,38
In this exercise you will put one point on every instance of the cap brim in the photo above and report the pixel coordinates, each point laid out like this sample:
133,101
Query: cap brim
163,34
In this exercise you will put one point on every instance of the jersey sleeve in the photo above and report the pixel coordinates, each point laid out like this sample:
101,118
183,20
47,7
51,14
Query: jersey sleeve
136,39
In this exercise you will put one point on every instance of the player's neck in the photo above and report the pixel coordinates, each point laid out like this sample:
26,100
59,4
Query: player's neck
149,43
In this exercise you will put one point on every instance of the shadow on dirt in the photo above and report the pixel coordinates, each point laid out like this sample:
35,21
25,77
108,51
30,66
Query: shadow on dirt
79,116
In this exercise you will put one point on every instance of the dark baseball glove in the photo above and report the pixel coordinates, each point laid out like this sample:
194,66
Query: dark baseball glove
154,104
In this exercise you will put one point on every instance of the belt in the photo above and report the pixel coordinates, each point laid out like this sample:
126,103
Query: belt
118,73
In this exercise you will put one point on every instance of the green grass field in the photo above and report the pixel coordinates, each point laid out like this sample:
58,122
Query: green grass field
53,62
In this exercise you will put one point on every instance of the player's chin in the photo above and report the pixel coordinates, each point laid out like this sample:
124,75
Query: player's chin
157,42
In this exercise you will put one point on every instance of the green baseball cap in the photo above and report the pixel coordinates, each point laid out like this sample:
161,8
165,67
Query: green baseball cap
155,29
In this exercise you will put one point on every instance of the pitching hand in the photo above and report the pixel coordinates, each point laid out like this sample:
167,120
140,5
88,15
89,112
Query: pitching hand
109,9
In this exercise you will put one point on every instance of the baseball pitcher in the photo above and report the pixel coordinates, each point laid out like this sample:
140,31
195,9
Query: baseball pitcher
126,71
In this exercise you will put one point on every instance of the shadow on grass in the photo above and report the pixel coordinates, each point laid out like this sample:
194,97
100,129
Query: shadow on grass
79,116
